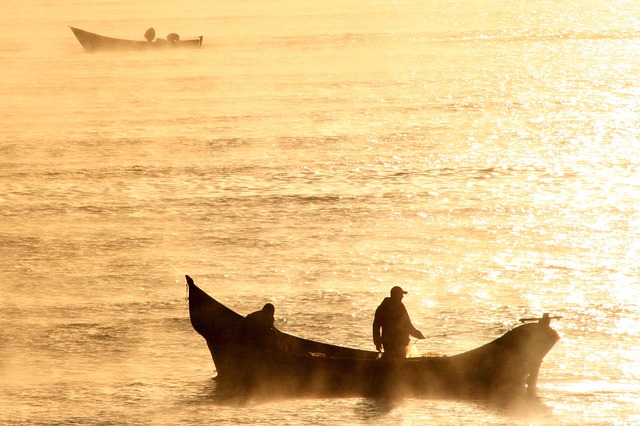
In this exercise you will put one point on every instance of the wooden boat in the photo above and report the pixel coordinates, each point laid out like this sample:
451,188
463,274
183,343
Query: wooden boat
94,42
501,370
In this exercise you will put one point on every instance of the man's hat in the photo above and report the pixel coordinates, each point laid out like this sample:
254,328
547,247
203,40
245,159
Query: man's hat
397,290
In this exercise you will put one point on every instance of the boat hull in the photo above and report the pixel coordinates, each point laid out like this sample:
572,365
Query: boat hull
95,42
503,369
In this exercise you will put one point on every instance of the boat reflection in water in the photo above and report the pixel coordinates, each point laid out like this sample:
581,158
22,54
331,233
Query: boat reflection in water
503,370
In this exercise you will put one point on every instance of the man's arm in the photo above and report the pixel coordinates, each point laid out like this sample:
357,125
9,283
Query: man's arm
416,333
376,332
412,330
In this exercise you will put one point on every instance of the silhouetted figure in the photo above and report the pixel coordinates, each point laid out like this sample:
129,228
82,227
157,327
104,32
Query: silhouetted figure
257,331
150,34
393,320
173,38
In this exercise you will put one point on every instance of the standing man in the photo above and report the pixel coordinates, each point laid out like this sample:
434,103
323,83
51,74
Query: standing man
392,318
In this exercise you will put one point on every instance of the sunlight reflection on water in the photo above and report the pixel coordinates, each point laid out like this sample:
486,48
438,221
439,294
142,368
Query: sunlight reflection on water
483,156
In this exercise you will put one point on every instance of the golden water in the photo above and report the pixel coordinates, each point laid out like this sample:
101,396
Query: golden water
483,155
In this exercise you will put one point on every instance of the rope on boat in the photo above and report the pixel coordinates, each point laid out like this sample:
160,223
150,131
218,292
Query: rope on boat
469,331
545,317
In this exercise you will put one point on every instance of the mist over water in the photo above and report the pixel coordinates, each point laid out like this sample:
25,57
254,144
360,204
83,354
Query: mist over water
313,155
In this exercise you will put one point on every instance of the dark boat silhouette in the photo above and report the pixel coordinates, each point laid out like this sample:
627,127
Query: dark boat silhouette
502,370
94,42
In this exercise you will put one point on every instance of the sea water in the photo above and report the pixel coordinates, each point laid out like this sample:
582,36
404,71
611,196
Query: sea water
483,155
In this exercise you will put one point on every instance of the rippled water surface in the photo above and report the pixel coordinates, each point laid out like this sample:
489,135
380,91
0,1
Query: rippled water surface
483,155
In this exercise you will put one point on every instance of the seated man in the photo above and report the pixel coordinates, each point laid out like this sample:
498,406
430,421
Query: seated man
150,34
257,331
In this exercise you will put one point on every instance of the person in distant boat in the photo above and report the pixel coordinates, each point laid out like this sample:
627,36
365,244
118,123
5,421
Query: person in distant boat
173,38
150,34
392,326
257,330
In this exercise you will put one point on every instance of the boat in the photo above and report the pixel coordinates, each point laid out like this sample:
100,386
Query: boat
95,42
501,370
